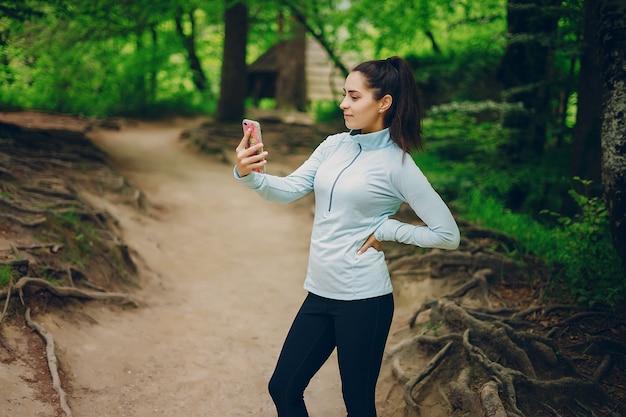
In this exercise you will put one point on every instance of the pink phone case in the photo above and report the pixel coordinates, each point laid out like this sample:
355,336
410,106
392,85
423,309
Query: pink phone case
255,135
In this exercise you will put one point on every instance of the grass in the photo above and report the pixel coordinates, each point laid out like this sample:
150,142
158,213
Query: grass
6,275
585,266
464,163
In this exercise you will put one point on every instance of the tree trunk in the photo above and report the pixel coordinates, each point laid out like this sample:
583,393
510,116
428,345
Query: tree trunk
320,36
291,79
611,47
586,151
140,79
152,80
525,71
436,49
234,79
189,43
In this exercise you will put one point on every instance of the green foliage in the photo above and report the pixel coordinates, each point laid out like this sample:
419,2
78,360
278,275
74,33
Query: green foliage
128,58
434,327
6,275
586,267
84,233
424,27
591,270
326,111
585,264
463,161
265,28
469,139
488,212
77,236
82,61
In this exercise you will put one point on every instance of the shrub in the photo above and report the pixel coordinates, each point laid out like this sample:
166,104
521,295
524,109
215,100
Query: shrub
589,266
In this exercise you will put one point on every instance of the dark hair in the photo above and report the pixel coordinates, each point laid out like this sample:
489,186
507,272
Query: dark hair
393,76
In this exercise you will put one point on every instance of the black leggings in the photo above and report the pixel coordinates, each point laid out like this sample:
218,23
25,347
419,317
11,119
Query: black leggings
358,329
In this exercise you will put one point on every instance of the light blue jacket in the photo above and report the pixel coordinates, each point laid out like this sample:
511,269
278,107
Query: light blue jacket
359,181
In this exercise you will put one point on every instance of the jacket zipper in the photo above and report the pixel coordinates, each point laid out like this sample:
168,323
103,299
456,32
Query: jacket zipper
332,189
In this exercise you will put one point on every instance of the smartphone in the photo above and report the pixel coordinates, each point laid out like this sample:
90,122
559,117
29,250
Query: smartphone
255,135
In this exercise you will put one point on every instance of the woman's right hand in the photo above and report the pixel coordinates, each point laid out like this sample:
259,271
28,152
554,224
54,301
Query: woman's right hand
247,158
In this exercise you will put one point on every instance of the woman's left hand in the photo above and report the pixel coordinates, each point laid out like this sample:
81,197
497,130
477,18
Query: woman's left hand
371,242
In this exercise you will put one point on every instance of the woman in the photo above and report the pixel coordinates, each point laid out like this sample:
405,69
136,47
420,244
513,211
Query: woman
360,178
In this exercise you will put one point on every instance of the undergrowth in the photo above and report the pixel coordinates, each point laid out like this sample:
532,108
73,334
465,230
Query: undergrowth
585,265
6,275
524,200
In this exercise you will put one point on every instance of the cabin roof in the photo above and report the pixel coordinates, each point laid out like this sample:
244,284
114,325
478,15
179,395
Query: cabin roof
324,81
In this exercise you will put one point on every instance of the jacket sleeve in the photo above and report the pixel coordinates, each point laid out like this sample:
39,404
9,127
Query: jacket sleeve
285,189
440,231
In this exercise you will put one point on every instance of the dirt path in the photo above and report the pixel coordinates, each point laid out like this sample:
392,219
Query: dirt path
215,315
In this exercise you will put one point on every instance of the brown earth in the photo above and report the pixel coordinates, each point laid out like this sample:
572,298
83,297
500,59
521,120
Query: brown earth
219,280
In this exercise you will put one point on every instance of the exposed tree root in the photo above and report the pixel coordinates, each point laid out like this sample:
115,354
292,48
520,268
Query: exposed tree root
401,375
22,221
491,402
51,228
52,361
53,232
30,282
6,173
502,361
512,371
4,312
53,247
476,233
461,396
428,369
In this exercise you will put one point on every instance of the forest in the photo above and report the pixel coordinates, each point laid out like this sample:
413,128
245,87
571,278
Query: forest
524,100
519,133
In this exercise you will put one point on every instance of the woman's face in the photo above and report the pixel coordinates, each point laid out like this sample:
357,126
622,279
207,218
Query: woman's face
361,111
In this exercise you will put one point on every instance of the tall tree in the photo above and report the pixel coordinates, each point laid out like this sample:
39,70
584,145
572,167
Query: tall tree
611,47
231,104
318,23
291,77
586,153
189,43
525,71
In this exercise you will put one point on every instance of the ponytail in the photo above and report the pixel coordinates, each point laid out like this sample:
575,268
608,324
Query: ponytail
393,76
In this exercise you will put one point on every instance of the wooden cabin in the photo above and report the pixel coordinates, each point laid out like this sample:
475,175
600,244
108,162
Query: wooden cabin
323,80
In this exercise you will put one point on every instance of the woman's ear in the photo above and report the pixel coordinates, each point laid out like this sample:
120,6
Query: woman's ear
385,103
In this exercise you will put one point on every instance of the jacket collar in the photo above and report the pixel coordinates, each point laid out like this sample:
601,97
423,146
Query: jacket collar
372,141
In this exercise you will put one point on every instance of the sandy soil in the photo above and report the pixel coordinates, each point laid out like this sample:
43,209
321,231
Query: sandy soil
224,281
